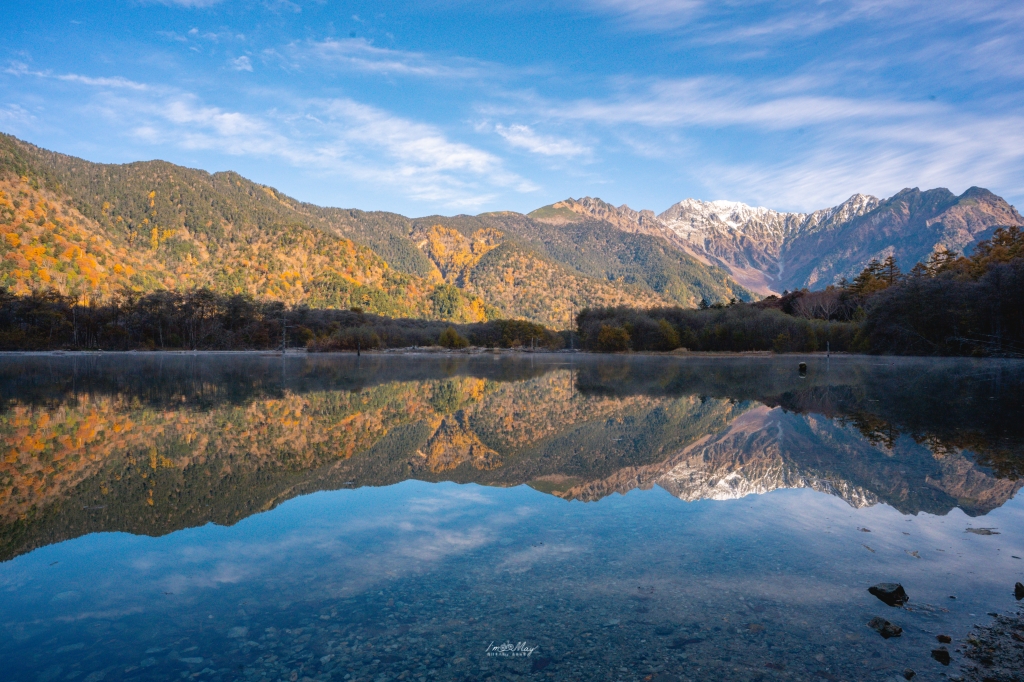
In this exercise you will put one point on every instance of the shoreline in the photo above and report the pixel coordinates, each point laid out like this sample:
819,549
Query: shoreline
434,350
478,351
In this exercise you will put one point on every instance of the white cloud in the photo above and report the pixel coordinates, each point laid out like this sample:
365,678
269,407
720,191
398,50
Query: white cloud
722,22
241,64
188,3
358,54
425,162
21,69
115,82
327,136
282,5
955,151
525,138
845,145
14,114
718,102
653,14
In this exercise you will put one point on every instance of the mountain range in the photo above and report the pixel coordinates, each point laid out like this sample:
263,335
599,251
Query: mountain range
95,231
770,251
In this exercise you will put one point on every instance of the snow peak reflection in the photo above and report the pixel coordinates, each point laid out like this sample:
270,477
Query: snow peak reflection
510,650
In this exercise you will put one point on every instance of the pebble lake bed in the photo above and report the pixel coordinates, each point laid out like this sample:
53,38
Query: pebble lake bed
402,518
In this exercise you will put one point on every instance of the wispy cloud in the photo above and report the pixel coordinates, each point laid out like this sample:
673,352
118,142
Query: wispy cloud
883,159
186,3
653,14
115,82
710,22
15,114
526,138
725,101
337,136
845,144
358,54
22,69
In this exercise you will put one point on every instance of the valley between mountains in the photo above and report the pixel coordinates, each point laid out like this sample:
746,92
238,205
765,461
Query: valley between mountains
97,231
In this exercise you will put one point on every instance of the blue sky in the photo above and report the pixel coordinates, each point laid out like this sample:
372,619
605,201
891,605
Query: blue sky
456,106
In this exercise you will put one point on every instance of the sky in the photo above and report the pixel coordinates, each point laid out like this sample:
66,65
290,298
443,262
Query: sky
455,106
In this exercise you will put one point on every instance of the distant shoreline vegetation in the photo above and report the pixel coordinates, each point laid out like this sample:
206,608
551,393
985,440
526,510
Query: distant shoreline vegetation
952,305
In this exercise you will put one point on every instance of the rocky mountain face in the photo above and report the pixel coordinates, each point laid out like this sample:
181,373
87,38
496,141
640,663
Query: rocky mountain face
770,251
910,225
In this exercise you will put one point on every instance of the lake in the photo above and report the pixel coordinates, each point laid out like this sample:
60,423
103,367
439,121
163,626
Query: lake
503,517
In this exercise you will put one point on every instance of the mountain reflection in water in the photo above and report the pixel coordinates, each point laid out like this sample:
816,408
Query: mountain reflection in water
152,444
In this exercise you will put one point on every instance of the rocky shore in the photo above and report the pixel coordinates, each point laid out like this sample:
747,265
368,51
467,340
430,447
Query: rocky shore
995,653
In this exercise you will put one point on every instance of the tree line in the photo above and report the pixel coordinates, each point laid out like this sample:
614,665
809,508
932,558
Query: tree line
205,320
949,305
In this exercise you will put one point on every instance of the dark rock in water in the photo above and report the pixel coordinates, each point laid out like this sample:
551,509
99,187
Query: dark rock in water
941,655
664,630
540,664
892,594
944,639
908,674
885,628
679,642
1018,591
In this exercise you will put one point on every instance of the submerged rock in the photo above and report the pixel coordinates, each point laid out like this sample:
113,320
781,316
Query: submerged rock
885,628
892,594
944,639
1018,591
908,674
680,642
941,655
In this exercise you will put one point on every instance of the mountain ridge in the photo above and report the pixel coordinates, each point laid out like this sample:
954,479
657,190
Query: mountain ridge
769,251
99,230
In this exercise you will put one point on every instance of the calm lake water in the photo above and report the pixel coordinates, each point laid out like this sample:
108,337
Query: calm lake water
547,517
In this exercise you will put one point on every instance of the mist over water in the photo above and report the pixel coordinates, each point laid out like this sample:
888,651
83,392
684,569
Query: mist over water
248,516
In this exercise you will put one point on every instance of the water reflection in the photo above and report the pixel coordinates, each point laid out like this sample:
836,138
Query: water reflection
161,443
392,576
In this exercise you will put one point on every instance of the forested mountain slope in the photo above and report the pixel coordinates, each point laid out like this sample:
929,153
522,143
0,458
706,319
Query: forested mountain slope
97,230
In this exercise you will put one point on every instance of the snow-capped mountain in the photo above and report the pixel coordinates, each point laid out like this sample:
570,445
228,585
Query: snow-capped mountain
751,242
769,251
